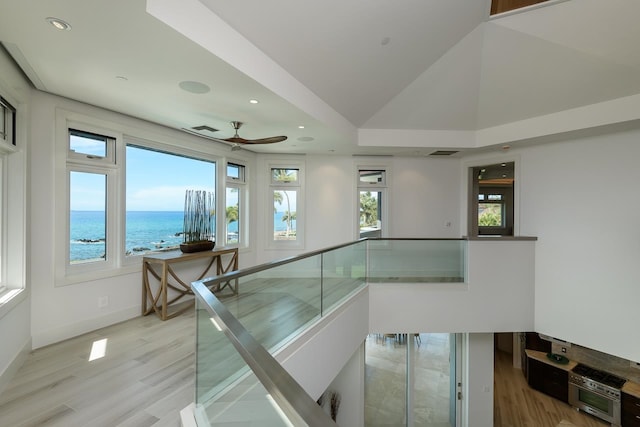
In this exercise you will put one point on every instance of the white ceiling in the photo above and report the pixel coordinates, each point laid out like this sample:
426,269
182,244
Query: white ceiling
335,67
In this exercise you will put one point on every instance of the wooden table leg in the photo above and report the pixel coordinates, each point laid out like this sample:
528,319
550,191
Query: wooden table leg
164,290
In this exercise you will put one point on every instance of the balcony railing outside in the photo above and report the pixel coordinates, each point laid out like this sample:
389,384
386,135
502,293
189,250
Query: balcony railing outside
268,305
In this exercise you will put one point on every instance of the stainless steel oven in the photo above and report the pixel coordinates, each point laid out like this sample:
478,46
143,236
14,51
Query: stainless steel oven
596,393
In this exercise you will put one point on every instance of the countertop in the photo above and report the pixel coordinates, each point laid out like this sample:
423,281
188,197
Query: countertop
629,387
541,356
632,388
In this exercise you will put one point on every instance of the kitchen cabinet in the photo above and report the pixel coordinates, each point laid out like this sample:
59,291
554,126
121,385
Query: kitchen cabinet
548,379
630,411
531,341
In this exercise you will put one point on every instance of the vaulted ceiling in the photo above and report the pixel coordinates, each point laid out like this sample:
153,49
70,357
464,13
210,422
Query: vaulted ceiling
362,77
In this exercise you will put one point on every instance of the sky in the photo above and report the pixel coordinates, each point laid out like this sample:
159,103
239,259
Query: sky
155,181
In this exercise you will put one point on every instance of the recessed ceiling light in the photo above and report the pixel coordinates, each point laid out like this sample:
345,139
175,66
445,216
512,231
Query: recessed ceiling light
59,23
300,127
121,78
194,87
253,101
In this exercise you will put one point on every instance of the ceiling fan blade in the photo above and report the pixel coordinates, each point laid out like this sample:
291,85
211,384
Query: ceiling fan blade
269,140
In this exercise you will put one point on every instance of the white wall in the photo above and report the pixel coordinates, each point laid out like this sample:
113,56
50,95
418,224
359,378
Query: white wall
478,389
349,384
424,197
581,199
498,295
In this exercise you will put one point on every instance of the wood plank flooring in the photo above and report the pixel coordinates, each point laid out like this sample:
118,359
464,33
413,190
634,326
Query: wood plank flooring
147,376
517,405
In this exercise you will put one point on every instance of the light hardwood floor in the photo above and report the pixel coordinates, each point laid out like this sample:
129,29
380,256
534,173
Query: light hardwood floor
147,376
517,405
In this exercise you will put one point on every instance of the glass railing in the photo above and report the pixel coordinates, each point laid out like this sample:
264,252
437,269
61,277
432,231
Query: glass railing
416,260
253,389
256,311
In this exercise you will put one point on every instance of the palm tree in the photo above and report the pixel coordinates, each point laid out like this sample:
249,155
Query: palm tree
284,175
232,214
368,209
288,217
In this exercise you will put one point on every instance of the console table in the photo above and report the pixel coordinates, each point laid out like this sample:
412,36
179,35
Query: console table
160,266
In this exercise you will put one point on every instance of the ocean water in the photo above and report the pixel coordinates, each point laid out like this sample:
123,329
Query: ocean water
145,231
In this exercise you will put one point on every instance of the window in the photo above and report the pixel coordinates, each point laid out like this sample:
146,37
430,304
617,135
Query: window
7,122
91,191
491,199
120,197
156,182
13,166
371,202
286,195
234,204
87,216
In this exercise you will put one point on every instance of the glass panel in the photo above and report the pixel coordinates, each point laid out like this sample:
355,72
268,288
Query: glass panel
370,214
226,390
232,215
87,143
87,217
594,400
156,185
372,176
343,271
430,371
235,172
3,121
284,175
385,386
408,379
490,215
495,197
416,261
284,214
277,303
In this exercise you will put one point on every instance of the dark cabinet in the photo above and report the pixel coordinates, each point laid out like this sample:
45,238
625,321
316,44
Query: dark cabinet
532,341
630,411
548,379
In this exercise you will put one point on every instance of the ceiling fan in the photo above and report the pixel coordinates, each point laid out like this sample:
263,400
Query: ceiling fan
237,141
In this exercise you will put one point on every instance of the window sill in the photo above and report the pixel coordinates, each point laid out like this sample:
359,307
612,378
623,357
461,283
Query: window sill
9,299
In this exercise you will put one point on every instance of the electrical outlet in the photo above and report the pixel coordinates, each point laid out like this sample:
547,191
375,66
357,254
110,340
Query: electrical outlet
564,349
103,301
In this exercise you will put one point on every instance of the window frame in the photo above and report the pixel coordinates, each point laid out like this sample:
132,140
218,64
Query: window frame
123,134
13,213
128,140
298,186
240,184
379,187
66,272
9,120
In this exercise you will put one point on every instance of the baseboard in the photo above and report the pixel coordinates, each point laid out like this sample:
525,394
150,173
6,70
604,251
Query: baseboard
187,417
61,333
15,365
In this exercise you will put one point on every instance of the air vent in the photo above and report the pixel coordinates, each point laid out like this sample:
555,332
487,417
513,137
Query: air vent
204,127
443,153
